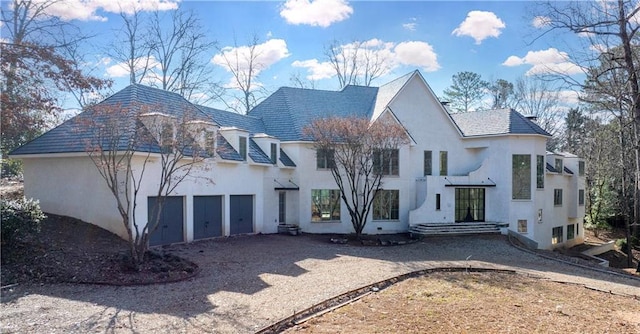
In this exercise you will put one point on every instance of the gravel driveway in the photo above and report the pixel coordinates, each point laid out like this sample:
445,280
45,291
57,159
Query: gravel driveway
249,282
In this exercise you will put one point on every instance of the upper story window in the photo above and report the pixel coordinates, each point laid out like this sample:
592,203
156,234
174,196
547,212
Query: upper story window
581,197
540,172
444,163
557,197
274,153
427,163
581,168
167,137
558,166
324,159
385,162
243,148
521,176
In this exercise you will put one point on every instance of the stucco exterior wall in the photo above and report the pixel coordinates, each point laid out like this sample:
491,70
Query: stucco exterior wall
72,186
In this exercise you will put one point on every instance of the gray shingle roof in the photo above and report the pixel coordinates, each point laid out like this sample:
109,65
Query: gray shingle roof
76,134
230,119
287,111
495,122
226,151
256,154
286,160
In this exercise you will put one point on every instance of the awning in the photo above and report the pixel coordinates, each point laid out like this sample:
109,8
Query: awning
285,185
484,183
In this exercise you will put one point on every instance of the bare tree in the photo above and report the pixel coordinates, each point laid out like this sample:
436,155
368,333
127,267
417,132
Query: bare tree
611,27
126,144
131,46
501,93
538,98
357,63
360,154
243,62
297,81
181,49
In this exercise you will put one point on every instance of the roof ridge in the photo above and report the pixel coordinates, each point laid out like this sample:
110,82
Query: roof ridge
228,112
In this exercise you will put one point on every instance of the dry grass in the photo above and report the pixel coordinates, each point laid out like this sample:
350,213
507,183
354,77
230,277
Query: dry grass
481,303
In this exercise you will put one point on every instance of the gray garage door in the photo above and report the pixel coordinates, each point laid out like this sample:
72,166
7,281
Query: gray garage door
241,214
207,216
170,228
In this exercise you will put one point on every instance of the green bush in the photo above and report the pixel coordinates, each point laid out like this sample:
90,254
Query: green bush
20,218
10,168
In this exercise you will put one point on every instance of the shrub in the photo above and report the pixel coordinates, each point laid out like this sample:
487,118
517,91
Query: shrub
20,218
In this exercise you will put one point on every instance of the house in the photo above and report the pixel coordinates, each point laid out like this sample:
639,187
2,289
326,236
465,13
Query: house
486,166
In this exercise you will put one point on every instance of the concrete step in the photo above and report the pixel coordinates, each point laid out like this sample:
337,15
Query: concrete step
456,228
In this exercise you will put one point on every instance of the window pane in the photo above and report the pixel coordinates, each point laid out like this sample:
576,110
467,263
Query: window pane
386,162
427,163
243,148
469,204
581,168
386,205
274,153
444,164
540,172
324,159
558,167
521,176
557,197
581,197
325,205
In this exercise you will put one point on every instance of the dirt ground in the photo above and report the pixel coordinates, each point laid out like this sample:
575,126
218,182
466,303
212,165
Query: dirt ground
481,303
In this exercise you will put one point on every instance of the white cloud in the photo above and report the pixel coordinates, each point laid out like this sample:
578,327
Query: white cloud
266,54
321,13
411,25
569,97
480,25
318,70
87,10
545,62
121,70
409,53
417,53
540,22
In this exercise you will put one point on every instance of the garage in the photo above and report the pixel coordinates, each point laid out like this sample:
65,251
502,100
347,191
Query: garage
207,217
241,214
171,226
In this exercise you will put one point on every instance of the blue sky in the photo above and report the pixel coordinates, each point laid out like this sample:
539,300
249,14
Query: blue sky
440,38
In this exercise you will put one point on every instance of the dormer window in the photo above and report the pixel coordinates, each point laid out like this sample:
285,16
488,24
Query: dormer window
243,148
167,137
274,153
558,166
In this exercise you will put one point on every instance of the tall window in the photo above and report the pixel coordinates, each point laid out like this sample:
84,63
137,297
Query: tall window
386,205
274,153
521,176
167,137
325,205
581,197
444,163
324,159
243,148
386,162
571,231
581,168
427,163
557,197
558,166
437,201
469,204
540,172
556,235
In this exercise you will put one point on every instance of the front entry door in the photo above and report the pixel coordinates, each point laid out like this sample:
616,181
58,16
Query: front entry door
470,204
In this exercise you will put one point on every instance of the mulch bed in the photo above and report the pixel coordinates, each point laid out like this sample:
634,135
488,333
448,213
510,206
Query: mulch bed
70,250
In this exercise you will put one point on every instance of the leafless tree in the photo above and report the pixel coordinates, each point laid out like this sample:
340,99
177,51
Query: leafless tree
360,154
243,62
181,49
611,29
538,98
297,81
131,46
356,63
126,144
